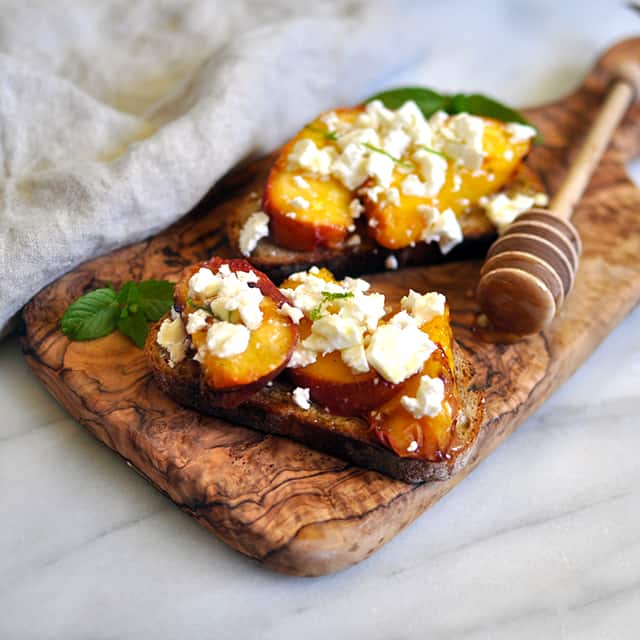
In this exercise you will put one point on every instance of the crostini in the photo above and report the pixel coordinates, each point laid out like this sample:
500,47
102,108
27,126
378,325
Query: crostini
324,361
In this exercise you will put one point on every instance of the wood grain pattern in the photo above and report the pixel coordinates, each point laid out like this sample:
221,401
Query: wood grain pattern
296,510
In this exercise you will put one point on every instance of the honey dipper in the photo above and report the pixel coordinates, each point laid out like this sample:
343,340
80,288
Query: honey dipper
531,268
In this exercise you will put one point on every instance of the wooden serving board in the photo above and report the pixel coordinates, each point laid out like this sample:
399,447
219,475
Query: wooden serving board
293,509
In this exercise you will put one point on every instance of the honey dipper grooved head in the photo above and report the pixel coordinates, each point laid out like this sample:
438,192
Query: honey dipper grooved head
529,272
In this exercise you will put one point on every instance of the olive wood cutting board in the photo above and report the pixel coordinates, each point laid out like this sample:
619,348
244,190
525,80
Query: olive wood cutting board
294,509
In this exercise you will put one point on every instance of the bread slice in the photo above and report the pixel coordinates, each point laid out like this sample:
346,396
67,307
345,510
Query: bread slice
273,410
354,260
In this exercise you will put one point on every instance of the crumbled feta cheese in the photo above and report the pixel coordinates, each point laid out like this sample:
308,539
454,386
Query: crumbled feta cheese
299,203
204,283
461,138
520,132
428,400
366,309
255,228
372,193
197,321
354,240
396,142
355,208
541,199
393,196
306,155
433,169
331,120
350,168
441,227
300,182
356,358
226,339
302,357
457,182
172,337
381,168
301,398
425,307
502,209
391,262
228,291
332,332
399,348
412,186
293,312
373,223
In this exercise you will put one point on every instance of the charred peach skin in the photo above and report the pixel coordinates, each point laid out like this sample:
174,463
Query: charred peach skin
334,385
397,429
398,226
238,377
327,219
331,382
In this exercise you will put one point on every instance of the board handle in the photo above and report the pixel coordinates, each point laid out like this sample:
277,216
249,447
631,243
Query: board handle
625,88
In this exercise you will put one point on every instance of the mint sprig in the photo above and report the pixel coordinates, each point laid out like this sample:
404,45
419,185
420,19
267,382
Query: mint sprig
327,296
398,161
100,312
430,101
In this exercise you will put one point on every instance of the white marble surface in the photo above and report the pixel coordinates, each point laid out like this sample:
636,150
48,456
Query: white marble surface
542,541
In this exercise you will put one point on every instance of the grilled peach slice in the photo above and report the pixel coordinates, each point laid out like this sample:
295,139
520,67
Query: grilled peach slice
334,385
430,438
307,212
399,225
236,378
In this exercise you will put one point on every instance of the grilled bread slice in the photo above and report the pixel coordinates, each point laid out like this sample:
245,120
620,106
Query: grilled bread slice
367,256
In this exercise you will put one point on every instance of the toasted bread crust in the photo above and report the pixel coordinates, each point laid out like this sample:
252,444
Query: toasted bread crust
272,410
366,257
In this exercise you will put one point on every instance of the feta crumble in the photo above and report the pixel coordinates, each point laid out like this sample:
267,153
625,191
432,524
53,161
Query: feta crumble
255,228
503,209
172,338
226,339
428,400
391,262
301,398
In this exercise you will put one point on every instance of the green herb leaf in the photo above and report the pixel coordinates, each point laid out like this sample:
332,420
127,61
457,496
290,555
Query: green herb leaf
155,298
192,303
407,165
329,135
435,151
428,101
328,295
134,326
91,316
128,295
316,313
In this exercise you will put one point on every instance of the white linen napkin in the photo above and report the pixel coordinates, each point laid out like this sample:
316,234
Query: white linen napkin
117,117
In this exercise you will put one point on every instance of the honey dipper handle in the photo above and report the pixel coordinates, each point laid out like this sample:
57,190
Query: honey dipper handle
618,100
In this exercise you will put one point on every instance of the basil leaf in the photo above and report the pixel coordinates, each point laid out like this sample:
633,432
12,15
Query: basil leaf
479,105
155,298
134,326
428,101
91,316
